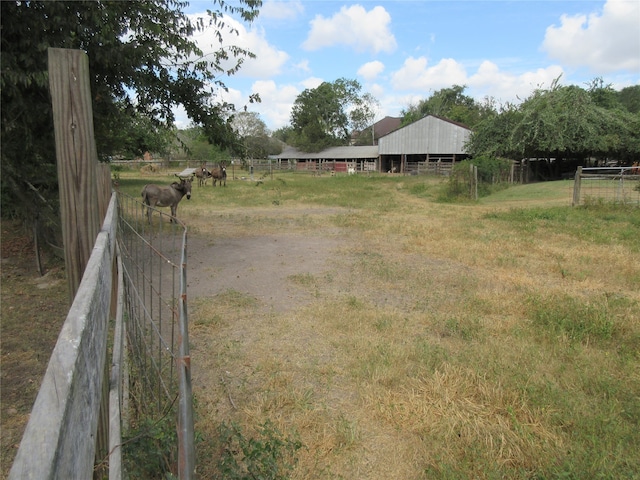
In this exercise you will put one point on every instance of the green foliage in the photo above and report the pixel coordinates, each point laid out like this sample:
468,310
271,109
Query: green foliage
254,139
629,98
319,117
563,122
450,103
493,173
192,144
269,456
150,450
141,62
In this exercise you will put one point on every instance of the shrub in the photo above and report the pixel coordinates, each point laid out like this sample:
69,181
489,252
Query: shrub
269,455
493,174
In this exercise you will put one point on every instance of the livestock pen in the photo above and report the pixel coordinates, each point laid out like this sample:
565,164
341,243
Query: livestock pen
115,367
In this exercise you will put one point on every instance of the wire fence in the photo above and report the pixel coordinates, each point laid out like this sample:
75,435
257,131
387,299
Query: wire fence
154,269
616,185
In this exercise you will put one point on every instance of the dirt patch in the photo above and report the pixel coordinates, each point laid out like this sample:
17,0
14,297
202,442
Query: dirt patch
258,266
33,309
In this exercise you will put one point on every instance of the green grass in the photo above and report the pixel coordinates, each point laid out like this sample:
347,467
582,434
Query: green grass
493,339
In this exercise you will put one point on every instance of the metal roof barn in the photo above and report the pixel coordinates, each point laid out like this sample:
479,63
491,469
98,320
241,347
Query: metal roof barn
331,153
429,135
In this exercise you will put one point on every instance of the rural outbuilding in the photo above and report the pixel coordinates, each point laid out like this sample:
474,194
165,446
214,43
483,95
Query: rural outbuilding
338,159
429,144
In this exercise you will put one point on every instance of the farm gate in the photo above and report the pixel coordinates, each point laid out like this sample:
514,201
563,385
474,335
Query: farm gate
619,185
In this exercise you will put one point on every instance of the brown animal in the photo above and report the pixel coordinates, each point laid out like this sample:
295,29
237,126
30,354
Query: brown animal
202,174
156,196
219,173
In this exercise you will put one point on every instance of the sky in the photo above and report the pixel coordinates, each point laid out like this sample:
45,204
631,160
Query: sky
402,52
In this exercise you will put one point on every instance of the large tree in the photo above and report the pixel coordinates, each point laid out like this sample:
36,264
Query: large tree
323,116
254,137
450,103
143,62
562,122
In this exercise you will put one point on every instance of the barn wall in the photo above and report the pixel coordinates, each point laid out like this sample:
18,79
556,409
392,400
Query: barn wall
429,135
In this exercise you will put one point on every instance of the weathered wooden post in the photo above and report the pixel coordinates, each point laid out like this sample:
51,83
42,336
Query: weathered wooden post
84,185
576,187
77,159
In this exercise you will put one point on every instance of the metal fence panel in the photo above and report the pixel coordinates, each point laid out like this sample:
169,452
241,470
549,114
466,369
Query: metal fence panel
154,268
617,185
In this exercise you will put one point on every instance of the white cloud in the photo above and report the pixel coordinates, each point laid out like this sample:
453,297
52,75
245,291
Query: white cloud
421,80
303,66
355,27
603,42
269,60
376,90
311,82
505,86
369,71
277,10
276,102
415,74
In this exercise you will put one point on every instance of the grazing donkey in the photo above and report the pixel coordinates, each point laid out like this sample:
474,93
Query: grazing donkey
156,196
202,174
219,173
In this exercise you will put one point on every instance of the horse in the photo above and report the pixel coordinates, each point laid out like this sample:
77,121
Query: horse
157,196
219,173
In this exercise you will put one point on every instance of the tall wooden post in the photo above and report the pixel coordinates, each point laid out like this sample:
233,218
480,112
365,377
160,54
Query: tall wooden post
576,187
77,158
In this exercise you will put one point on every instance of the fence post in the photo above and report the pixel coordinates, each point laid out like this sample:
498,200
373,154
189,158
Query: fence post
576,187
77,158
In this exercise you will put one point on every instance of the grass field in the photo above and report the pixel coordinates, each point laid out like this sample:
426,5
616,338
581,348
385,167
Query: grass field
497,339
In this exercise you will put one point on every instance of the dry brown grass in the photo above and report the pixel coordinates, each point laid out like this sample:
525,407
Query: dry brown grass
427,340
417,356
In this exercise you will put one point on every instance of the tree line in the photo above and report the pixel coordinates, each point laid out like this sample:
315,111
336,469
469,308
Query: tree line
559,122
144,63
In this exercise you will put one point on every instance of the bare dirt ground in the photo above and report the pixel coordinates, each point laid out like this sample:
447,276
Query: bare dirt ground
33,309
258,266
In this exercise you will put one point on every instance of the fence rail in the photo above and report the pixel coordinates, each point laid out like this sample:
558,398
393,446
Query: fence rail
150,353
619,185
60,438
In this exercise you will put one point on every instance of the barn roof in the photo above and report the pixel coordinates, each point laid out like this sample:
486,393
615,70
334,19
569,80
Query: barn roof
430,135
386,125
332,153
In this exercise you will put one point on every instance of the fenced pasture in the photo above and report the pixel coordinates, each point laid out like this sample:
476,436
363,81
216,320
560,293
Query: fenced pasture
415,339
391,334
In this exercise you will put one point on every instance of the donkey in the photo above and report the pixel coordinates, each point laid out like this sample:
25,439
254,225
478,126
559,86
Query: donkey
219,173
202,174
156,196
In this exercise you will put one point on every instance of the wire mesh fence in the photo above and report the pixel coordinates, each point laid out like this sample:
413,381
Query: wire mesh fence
619,185
154,269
